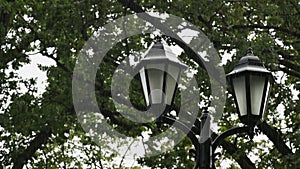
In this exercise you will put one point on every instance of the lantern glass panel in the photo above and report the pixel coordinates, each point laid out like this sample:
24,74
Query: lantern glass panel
144,86
240,93
257,84
155,74
171,80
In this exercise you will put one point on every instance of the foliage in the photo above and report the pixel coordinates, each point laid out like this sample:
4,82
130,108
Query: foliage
40,131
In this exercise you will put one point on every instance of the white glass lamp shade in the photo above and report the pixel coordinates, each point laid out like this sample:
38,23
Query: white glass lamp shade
172,78
155,75
159,83
239,87
257,85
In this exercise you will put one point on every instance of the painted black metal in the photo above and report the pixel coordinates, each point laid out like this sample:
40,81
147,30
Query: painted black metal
164,87
176,85
248,100
190,132
148,87
205,151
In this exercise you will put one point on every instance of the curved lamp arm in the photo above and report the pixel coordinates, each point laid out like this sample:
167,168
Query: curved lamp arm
190,132
218,140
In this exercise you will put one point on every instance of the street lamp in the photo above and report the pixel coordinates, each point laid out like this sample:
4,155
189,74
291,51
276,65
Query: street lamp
160,71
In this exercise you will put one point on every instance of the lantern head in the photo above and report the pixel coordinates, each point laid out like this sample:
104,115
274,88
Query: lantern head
250,82
160,72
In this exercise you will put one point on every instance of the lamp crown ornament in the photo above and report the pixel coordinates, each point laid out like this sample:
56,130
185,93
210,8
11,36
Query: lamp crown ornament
249,51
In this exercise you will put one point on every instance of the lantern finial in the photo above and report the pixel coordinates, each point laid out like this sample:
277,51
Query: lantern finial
249,51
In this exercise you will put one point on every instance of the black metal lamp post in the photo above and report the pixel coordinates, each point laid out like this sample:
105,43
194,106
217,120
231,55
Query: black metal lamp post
160,71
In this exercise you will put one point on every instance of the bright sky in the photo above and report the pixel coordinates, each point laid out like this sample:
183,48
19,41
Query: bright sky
33,71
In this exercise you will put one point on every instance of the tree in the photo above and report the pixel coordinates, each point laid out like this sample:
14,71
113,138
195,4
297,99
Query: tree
41,130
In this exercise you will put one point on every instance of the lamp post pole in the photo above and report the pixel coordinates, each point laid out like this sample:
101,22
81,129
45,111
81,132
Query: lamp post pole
205,148
250,82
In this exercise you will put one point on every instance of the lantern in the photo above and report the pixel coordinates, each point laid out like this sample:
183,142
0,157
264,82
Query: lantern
251,83
159,71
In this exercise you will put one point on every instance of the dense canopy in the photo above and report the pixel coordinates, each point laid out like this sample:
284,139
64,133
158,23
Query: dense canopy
41,130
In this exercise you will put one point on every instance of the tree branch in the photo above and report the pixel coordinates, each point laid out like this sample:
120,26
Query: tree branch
290,72
5,20
210,66
242,160
40,139
231,148
275,137
254,26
